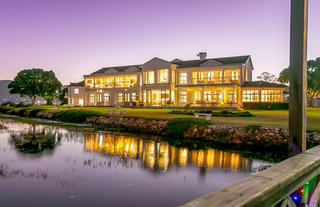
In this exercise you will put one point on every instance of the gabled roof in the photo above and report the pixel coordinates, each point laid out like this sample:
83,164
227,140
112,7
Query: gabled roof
262,84
236,60
118,68
81,83
224,61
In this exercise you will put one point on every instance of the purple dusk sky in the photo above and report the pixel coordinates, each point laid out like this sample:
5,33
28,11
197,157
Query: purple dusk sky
77,37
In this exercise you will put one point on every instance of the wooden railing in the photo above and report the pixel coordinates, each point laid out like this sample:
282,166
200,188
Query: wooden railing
272,187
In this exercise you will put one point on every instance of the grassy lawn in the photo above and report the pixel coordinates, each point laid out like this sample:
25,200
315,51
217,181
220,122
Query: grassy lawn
262,117
272,119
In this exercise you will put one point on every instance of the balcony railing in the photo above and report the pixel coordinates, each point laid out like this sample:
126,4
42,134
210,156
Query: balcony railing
292,182
215,80
124,84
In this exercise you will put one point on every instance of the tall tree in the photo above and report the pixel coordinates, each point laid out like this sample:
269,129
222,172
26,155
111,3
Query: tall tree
284,76
267,77
35,82
62,96
313,75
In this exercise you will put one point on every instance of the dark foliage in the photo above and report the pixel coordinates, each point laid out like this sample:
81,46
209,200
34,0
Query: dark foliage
177,127
265,106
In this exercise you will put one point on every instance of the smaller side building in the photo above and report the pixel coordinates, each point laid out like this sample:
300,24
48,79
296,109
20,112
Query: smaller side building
76,94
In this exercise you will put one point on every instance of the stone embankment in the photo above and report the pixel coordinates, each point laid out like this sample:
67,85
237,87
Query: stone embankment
134,124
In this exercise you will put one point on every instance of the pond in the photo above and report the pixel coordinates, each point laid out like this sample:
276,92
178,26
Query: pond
43,165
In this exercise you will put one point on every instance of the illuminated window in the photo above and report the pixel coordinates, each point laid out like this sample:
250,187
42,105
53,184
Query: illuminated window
99,98
207,96
220,75
250,96
218,96
109,82
270,95
89,83
81,101
234,75
99,83
197,78
210,76
91,97
127,97
183,78
149,77
197,97
183,97
106,97
119,97
76,91
119,82
163,76
232,96
134,96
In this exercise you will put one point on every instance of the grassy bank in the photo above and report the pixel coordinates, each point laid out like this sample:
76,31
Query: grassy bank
266,118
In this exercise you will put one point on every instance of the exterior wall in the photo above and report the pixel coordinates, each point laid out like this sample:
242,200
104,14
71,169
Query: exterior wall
76,95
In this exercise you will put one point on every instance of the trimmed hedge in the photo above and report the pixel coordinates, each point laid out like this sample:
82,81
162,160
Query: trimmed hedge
266,106
215,113
176,127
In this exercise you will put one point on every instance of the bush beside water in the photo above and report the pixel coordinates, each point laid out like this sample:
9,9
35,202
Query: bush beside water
75,116
177,127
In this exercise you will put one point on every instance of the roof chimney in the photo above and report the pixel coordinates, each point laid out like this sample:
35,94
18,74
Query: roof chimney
202,55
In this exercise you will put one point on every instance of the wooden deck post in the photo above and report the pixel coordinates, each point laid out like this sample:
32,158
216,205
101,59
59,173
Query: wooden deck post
298,76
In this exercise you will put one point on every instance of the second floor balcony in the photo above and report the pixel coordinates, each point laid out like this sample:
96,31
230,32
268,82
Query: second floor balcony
117,84
212,81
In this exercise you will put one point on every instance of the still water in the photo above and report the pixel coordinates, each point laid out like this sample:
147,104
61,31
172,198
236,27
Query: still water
42,165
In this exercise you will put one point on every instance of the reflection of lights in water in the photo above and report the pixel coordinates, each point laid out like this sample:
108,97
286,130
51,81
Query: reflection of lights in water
132,148
56,137
161,154
100,140
183,156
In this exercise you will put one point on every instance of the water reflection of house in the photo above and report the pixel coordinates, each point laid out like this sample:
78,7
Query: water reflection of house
160,155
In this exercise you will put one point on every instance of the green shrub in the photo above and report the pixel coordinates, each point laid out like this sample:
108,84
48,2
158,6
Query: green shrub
33,112
75,116
216,113
266,106
181,112
176,127
4,110
8,103
253,127
21,112
232,114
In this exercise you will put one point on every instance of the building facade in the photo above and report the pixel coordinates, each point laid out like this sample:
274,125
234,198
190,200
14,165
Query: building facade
215,82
